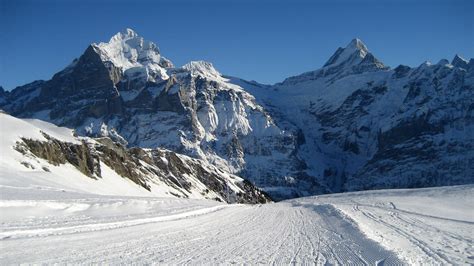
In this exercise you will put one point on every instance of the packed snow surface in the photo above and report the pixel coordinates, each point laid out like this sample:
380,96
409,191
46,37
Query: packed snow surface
49,225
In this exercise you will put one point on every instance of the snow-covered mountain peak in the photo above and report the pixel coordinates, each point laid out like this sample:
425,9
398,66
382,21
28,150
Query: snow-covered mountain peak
330,129
127,50
202,68
355,58
352,54
357,45
426,64
128,33
457,57
124,35
458,61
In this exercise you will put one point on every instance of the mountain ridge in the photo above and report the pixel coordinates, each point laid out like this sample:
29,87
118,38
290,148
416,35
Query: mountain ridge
291,138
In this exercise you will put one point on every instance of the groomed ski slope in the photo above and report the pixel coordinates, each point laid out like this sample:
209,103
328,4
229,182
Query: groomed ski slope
47,225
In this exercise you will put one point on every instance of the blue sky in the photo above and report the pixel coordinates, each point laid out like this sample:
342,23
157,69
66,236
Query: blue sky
264,40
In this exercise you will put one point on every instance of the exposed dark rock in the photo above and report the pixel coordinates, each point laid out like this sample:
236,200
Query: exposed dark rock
401,71
57,152
86,157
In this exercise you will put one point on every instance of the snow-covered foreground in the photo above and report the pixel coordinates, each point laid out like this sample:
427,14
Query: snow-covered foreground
428,226
41,225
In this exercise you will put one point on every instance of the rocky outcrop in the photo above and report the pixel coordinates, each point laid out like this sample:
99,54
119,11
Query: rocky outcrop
57,152
144,167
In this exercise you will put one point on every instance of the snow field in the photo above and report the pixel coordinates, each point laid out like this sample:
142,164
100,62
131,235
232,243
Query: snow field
421,226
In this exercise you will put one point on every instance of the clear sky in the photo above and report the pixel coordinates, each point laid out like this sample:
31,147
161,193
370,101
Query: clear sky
264,40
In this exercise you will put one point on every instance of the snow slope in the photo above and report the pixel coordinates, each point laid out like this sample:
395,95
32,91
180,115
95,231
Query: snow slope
423,226
364,126
115,170
13,170
429,226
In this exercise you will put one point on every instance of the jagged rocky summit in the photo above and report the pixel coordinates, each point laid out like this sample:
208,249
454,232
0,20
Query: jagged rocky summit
353,124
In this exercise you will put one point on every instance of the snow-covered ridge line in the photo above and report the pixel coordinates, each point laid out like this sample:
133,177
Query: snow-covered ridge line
365,126
104,167
353,124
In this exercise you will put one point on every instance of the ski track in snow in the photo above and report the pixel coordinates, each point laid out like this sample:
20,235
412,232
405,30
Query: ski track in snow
408,225
276,233
63,227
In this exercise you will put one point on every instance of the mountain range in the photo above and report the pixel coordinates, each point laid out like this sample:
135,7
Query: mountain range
354,124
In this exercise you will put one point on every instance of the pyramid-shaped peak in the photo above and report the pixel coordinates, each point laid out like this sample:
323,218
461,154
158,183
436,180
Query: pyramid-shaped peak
458,61
357,44
127,49
354,52
458,57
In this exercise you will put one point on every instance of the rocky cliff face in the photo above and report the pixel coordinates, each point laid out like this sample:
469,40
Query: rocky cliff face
151,169
127,91
367,126
353,124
